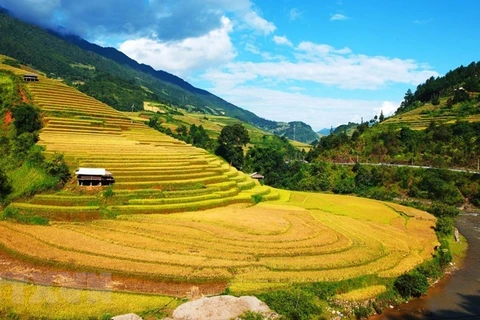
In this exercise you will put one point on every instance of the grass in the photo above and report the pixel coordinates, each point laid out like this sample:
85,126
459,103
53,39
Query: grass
28,180
458,250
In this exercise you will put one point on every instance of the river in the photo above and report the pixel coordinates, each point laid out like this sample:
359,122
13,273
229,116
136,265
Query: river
456,296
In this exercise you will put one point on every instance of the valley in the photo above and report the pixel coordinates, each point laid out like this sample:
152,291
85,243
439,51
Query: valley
140,227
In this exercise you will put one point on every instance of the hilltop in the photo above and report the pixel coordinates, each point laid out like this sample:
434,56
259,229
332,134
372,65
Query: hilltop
115,79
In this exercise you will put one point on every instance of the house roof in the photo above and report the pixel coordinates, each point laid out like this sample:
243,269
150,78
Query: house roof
256,175
93,172
30,75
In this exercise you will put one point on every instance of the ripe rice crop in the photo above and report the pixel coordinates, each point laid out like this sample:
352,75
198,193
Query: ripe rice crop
361,294
264,243
54,302
295,237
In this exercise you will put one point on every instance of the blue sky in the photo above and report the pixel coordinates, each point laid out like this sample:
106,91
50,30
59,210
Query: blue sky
324,62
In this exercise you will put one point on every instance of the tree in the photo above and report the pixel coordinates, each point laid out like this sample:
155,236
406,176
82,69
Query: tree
269,162
412,284
381,117
5,186
26,119
231,141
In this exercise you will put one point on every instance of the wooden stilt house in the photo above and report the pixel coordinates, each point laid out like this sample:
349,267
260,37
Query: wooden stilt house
94,177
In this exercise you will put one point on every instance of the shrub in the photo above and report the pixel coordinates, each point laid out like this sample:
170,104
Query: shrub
58,168
293,304
362,312
442,210
412,284
26,119
257,198
108,192
250,315
344,186
445,226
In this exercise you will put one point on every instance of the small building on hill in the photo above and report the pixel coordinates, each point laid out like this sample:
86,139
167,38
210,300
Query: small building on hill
257,176
94,177
30,77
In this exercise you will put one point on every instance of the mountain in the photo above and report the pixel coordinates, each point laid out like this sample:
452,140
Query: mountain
434,89
296,130
348,128
111,77
325,131
441,132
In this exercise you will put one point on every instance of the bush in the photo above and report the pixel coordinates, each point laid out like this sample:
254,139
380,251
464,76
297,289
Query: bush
293,304
442,210
108,192
26,119
257,198
250,315
58,168
445,226
5,186
344,186
412,284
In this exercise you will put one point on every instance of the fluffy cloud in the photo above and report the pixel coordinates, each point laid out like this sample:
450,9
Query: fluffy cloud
324,64
184,56
168,19
282,40
256,22
338,17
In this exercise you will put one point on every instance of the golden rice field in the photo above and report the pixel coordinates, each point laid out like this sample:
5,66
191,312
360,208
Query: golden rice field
92,134
53,302
284,241
216,235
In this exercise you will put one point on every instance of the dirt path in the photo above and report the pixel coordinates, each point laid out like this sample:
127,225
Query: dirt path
15,269
24,96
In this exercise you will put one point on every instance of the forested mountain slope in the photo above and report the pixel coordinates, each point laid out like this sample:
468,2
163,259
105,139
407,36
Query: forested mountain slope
438,125
112,77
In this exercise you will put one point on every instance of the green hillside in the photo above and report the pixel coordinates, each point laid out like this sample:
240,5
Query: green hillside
113,78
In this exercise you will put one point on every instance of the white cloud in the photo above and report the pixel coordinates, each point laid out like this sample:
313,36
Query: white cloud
318,112
253,20
388,108
282,40
294,14
184,56
338,17
324,64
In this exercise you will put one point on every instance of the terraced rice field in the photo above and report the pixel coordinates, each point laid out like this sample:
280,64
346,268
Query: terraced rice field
295,237
154,173
420,118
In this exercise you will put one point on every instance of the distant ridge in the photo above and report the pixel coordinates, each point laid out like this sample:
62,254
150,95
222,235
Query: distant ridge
123,59
112,77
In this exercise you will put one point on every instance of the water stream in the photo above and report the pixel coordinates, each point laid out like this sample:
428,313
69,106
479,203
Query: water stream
457,296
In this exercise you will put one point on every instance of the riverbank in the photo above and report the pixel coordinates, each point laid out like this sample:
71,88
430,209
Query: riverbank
455,296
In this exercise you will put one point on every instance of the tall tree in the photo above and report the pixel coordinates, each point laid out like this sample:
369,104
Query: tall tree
231,141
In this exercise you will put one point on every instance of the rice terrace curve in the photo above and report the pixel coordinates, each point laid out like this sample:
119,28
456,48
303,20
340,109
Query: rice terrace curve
177,214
